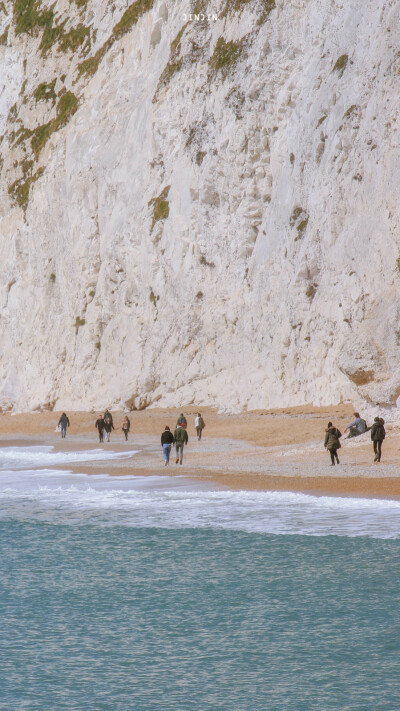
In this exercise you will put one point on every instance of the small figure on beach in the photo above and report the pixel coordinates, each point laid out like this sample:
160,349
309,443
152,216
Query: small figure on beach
100,426
358,426
108,415
331,443
181,421
199,425
108,423
126,426
63,423
180,438
378,434
167,440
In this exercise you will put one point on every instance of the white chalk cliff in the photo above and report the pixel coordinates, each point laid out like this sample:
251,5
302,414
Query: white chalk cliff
199,207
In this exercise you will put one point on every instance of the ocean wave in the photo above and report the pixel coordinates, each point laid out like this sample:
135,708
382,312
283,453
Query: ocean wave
42,456
175,503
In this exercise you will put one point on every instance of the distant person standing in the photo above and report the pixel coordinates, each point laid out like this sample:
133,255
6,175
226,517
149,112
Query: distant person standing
100,426
181,421
63,423
180,438
378,434
332,443
357,427
126,426
108,424
108,415
199,425
167,440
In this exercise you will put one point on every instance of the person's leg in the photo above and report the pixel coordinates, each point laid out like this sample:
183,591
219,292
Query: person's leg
126,435
181,454
63,431
379,450
177,453
198,432
332,453
164,451
336,455
375,443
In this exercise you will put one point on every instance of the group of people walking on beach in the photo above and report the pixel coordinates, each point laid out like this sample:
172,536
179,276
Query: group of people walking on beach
355,428
105,423
180,437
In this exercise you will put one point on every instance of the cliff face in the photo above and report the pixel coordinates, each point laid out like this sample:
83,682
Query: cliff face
199,208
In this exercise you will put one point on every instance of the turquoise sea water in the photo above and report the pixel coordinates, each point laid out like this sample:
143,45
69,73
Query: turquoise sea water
155,594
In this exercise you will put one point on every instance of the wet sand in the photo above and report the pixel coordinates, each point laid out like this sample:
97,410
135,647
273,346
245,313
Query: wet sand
280,450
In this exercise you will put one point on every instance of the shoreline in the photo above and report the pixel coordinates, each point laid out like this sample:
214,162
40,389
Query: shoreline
255,451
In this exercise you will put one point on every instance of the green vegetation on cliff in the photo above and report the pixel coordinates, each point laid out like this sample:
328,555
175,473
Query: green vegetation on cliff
4,37
130,17
226,55
160,206
31,18
174,62
19,190
45,92
66,107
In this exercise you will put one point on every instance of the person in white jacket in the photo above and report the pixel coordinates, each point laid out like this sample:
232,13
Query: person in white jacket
199,425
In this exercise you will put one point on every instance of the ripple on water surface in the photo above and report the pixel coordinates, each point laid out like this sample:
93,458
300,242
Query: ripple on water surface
150,618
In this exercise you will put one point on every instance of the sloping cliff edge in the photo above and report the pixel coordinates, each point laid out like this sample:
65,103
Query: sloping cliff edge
199,203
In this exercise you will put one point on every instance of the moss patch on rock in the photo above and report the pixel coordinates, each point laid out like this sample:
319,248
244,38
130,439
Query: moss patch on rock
341,64
160,206
66,107
4,37
299,219
226,55
19,190
45,92
76,38
78,323
30,18
130,17
295,215
263,7
301,228
174,64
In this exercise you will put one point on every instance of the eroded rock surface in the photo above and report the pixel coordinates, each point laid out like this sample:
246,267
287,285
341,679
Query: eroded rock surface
199,208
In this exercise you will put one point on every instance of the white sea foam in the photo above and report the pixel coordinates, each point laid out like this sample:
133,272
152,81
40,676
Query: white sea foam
41,456
176,502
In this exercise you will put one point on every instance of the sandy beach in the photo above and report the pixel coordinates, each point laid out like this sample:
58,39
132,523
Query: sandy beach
280,450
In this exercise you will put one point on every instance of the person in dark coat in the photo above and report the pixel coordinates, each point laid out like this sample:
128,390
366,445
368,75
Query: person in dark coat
108,424
180,438
332,443
167,440
181,421
100,426
126,426
108,414
378,434
63,423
